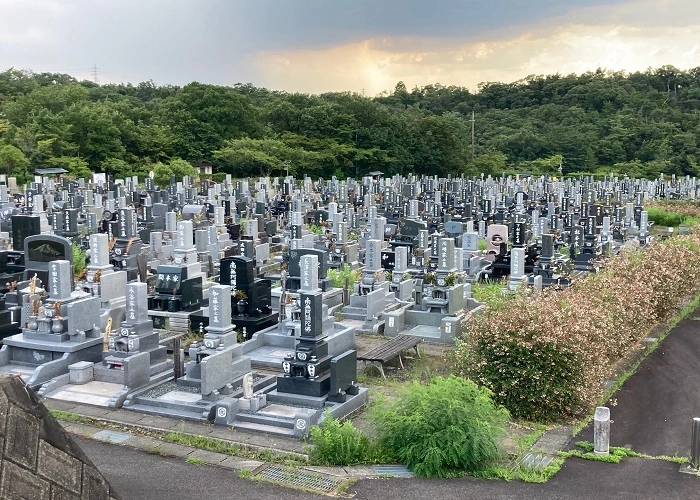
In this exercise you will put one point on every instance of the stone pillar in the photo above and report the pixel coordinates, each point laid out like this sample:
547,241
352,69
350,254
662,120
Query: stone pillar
601,431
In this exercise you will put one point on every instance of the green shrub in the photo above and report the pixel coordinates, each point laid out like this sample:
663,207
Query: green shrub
337,276
548,360
666,218
339,444
490,292
443,429
79,259
673,213
316,229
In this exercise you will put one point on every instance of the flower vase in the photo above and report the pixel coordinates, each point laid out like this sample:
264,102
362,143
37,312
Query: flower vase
57,325
32,324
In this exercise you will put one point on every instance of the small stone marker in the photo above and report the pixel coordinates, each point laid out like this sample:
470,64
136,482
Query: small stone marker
601,431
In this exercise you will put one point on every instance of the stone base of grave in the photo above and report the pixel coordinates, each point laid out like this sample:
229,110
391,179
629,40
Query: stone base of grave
370,306
185,401
251,324
38,362
585,262
96,384
293,414
431,327
317,387
331,298
267,348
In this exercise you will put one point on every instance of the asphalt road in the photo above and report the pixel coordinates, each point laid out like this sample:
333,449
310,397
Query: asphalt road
141,476
653,411
137,475
653,415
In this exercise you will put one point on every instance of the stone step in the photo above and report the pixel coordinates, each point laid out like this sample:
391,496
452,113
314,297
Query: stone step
425,331
269,429
350,312
271,420
164,403
19,369
168,412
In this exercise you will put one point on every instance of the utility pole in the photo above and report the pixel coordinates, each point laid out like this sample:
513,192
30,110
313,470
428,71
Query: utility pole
95,72
357,167
472,120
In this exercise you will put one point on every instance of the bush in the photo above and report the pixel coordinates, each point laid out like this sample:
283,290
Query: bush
443,429
674,213
665,218
339,444
548,359
337,276
79,259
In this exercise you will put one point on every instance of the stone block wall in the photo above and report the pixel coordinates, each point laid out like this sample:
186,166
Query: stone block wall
39,460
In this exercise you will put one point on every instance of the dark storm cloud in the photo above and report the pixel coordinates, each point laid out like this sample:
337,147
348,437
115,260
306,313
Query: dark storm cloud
308,24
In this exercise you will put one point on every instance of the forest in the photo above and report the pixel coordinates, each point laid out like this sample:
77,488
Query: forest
602,122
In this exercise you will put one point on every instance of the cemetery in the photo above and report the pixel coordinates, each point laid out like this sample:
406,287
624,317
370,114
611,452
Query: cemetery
244,303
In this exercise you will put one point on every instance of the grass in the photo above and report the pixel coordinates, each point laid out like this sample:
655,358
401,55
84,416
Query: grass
227,448
191,440
67,416
195,461
616,454
526,441
345,486
491,292
669,218
521,472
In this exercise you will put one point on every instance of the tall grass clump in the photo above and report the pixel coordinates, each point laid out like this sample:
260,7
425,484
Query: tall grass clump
336,443
547,359
444,429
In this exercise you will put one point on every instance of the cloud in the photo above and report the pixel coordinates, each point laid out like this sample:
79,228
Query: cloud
626,39
322,45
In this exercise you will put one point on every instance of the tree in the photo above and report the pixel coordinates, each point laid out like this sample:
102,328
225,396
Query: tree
13,161
161,174
181,168
77,167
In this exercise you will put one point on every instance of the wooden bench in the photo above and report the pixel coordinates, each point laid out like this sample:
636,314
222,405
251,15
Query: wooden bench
390,350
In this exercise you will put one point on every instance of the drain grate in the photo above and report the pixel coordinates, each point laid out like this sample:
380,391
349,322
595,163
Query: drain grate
393,471
536,461
297,478
111,436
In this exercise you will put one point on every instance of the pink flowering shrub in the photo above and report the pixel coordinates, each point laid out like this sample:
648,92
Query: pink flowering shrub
547,358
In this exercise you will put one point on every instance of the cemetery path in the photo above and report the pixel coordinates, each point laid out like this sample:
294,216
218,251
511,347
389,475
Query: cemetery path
135,474
578,480
653,411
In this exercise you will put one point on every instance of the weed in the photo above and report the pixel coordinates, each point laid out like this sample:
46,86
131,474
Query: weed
195,461
67,416
220,446
345,486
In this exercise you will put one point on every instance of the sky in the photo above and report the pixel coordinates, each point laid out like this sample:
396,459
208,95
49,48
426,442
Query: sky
363,46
